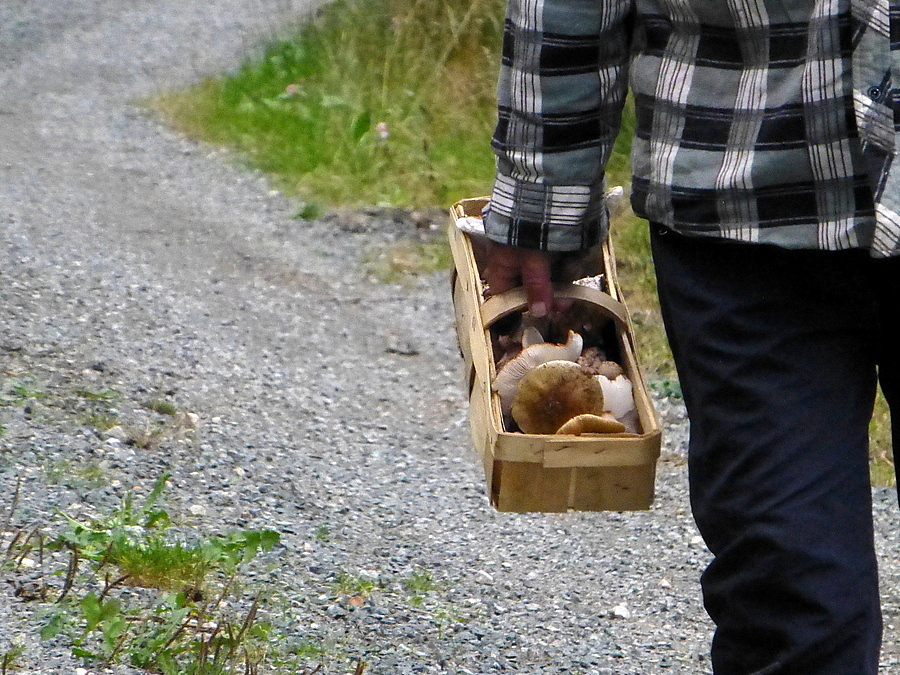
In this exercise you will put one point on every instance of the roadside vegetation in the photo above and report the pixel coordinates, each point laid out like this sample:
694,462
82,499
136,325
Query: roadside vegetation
119,577
391,103
372,102
134,585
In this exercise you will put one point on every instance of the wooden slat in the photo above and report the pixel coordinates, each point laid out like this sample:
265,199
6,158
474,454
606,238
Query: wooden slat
468,314
608,451
497,307
483,435
614,488
642,401
550,451
527,488
460,307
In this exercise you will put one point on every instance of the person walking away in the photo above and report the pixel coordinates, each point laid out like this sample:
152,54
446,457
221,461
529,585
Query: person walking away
763,159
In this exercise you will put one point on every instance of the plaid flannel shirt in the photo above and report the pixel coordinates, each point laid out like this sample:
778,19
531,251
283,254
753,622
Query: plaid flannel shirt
768,121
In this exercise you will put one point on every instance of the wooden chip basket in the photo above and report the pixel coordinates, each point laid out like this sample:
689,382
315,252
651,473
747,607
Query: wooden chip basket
548,473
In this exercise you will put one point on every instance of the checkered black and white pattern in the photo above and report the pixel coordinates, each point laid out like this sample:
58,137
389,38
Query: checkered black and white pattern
757,120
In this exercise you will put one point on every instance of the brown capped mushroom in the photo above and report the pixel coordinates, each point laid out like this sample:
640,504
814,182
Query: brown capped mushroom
553,393
591,359
507,380
610,370
592,424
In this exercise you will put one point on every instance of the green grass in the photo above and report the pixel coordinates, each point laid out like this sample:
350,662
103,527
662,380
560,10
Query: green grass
309,109
163,407
16,391
9,659
420,582
349,584
882,467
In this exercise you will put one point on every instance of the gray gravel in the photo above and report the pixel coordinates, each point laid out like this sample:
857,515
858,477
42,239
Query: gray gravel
330,406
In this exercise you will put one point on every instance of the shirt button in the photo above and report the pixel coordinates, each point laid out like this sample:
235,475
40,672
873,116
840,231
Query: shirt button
874,92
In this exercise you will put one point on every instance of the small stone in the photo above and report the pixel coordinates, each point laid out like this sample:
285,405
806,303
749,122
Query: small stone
118,433
483,577
621,612
401,346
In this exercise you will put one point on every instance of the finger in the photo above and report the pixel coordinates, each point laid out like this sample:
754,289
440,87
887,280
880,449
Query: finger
536,280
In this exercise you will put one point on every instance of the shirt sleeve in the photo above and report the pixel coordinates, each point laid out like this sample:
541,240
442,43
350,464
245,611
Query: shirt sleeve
563,80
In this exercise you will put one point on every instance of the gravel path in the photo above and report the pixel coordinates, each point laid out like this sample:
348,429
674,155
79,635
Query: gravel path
330,407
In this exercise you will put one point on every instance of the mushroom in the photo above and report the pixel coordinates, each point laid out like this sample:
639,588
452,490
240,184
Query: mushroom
553,393
590,360
531,336
507,379
610,370
617,394
591,424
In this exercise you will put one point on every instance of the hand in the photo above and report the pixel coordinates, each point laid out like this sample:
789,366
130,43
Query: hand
509,266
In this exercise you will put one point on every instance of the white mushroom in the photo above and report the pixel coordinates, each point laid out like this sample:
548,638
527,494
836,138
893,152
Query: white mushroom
617,395
531,336
507,379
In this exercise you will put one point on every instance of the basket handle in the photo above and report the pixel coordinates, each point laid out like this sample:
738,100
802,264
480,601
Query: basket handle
514,300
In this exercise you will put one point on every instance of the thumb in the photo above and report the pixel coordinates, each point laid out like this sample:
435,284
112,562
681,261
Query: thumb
536,280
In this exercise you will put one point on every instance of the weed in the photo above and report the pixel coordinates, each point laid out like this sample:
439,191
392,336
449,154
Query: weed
65,472
163,407
446,617
104,395
420,582
15,392
308,211
667,388
348,584
134,594
101,421
323,534
9,659
307,649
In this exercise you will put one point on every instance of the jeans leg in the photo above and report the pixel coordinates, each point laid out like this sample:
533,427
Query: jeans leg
775,355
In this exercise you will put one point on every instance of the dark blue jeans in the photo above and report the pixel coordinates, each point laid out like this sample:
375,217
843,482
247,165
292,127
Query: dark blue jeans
778,353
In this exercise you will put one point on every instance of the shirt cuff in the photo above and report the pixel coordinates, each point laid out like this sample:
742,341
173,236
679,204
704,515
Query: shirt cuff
546,217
